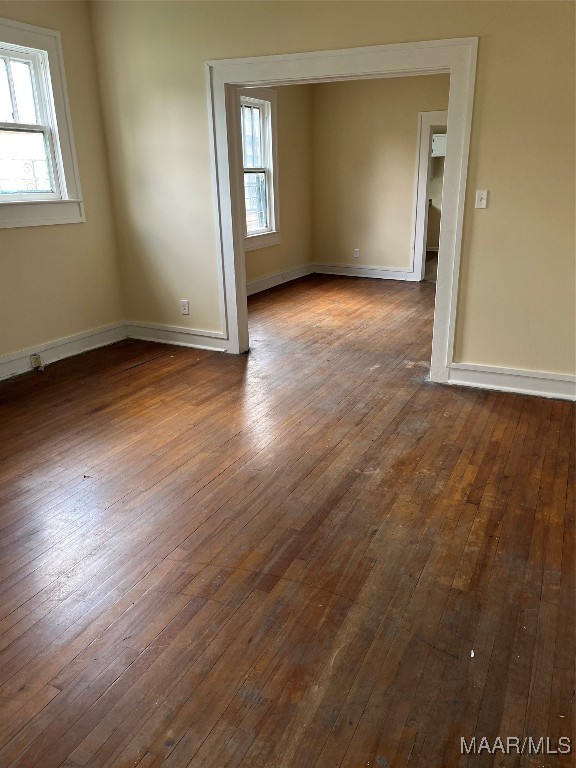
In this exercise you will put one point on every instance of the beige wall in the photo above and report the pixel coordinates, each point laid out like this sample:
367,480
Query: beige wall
151,62
60,280
348,183
157,127
294,128
365,150
517,280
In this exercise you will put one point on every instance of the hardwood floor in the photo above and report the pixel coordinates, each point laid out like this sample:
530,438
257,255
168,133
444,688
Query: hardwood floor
304,557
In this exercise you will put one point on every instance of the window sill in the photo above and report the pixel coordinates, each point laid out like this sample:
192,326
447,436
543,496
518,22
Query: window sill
39,213
264,240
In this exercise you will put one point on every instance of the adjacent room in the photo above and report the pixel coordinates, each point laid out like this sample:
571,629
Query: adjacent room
287,384
341,196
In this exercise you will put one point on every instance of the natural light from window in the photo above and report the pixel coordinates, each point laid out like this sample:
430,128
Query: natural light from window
254,151
26,137
257,123
39,179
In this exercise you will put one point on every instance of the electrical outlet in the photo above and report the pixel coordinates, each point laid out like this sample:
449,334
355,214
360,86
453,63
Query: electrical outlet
184,307
356,253
36,362
481,198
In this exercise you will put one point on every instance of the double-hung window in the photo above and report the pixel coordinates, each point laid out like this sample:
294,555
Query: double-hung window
38,176
27,169
260,167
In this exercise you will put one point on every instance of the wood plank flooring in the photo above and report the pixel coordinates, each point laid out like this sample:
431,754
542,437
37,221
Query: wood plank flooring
304,557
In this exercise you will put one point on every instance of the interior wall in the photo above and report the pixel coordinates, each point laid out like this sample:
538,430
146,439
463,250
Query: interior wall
347,184
294,129
63,279
152,77
522,150
365,150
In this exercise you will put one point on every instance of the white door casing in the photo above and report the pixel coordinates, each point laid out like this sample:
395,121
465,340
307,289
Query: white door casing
457,57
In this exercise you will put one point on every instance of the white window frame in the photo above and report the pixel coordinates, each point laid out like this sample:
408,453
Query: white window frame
42,102
265,98
43,48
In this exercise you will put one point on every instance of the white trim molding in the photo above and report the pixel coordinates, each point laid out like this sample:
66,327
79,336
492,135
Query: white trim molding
523,382
352,270
285,276
212,341
457,57
264,240
67,346
538,383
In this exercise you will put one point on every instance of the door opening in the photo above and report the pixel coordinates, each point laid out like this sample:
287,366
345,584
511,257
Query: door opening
429,184
456,57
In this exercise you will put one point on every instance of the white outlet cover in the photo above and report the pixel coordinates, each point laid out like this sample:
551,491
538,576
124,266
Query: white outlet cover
481,200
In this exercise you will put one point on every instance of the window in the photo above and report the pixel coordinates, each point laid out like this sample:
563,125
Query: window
27,166
38,176
258,128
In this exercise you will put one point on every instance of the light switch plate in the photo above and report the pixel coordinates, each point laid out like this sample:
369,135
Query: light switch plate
481,198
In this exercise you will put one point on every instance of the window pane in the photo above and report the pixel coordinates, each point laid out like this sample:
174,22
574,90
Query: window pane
256,137
256,202
24,90
247,144
251,137
24,163
6,115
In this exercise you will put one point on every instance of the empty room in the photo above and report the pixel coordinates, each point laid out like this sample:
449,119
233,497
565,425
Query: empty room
287,384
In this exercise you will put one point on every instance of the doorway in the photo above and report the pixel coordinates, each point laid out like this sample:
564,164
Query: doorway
429,187
456,57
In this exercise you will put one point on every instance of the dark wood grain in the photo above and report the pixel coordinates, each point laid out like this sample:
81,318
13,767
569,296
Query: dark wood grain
284,558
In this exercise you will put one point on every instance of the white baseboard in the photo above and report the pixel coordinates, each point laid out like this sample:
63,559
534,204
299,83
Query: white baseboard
19,362
381,273
51,351
350,270
523,382
540,383
68,346
271,281
174,334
